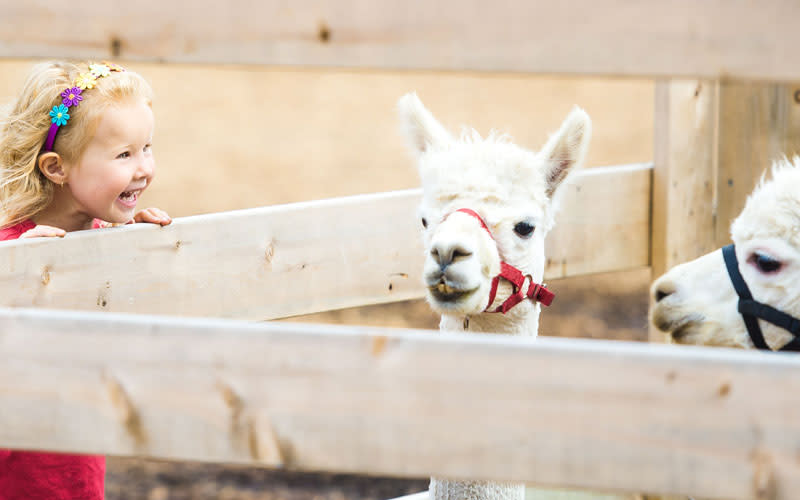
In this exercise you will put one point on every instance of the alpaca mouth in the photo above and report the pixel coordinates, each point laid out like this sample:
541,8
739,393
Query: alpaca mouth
442,292
679,334
679,329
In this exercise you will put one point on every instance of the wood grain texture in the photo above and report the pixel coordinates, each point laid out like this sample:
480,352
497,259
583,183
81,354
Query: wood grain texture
545,494
759,123
299,258
605,415
713,141
686,117
616,198
715,38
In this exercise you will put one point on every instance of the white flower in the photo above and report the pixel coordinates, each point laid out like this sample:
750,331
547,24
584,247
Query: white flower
99,70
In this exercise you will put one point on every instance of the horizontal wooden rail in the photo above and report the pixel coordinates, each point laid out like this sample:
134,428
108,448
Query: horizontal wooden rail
301,258
543,494
685,38
603,415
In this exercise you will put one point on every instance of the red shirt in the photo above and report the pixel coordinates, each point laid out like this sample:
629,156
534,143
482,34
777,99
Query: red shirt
29,475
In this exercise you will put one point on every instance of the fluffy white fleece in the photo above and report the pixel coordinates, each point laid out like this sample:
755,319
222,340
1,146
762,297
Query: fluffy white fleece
510,188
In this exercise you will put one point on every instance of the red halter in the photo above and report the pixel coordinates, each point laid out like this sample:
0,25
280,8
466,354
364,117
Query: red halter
535,292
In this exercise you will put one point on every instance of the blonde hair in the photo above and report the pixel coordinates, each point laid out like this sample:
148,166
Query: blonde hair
25,122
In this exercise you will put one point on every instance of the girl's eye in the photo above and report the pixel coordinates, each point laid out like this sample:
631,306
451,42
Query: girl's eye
524,229
147,147
766,264
424,222
126,154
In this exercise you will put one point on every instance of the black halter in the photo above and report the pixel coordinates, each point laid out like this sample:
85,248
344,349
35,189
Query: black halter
751,309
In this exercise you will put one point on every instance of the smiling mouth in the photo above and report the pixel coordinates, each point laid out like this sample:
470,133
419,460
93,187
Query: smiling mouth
129,198
442,292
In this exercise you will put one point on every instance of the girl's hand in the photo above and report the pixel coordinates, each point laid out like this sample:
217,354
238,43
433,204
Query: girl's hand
153,216
42,231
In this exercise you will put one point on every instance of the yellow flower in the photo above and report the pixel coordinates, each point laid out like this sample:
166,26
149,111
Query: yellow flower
85,81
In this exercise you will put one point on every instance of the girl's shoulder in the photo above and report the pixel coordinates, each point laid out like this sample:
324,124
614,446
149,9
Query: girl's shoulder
15,231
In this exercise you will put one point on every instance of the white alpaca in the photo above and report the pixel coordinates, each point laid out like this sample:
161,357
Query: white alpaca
510,197
695,302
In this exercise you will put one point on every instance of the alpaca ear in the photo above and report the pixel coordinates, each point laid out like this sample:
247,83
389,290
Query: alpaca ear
421,129
566,149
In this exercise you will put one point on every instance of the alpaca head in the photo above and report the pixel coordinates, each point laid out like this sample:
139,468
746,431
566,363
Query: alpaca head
695,302
513,190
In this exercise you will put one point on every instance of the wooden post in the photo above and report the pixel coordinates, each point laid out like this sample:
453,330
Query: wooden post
684,172
713,141
759,123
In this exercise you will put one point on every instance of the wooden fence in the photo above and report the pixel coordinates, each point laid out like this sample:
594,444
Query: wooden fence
586,414
301,258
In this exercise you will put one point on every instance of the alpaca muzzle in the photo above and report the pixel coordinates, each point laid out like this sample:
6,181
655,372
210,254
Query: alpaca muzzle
523,286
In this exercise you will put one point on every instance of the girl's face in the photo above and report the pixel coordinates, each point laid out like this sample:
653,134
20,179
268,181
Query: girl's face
117,166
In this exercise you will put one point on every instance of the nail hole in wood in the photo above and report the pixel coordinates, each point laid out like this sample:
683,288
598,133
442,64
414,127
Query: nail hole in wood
115,46
324,33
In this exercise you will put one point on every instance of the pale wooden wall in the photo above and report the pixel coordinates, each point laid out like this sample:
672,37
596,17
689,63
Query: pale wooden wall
239,137
679,38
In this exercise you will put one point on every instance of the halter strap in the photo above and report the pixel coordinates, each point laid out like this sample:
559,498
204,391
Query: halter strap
751,309
534,292
473,213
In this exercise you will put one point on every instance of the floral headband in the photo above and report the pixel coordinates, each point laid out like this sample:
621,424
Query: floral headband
71,97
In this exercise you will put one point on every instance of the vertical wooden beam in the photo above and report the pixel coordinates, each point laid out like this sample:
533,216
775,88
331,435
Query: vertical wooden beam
713,141
759,123
684,176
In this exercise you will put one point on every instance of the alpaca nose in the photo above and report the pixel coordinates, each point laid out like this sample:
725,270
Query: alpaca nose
662,289
446,254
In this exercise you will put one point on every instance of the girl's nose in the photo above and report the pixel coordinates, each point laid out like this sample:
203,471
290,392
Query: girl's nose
146,168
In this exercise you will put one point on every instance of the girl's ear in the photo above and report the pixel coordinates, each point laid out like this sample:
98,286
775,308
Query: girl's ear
52,166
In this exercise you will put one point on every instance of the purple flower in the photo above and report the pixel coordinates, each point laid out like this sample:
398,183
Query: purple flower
72,96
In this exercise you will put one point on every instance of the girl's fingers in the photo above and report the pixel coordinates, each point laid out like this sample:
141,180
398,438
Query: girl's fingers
44,232
153,216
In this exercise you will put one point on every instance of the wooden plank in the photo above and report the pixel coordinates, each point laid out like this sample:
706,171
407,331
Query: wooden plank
759,123
714,140
713,423
616,195
684,177
713,38
684,174
423,495
299,258
543,494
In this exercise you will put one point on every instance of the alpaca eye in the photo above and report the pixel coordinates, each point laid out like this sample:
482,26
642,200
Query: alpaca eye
524,229
424,222
765,263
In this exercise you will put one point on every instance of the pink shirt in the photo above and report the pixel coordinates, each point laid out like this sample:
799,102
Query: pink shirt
37,475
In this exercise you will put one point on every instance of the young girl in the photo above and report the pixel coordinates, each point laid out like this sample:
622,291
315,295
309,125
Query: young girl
75,153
